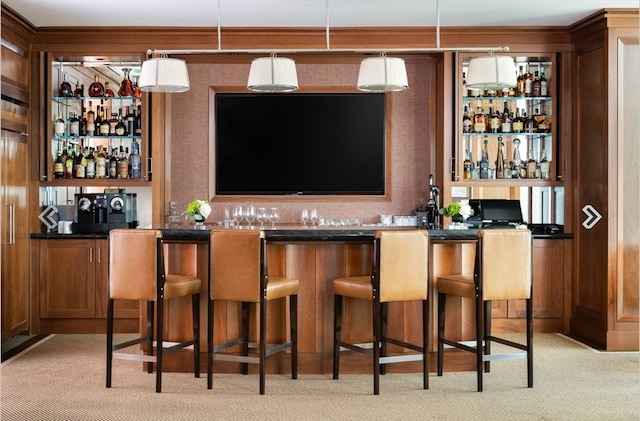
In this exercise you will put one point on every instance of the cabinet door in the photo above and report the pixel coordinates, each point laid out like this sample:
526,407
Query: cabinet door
548,282
123,309
15,234
68,278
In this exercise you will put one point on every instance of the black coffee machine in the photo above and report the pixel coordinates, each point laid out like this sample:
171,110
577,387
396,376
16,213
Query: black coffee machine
99,213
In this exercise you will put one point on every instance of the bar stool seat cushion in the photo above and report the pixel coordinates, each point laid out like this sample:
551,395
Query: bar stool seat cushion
354,286
181,286
279,287
457,285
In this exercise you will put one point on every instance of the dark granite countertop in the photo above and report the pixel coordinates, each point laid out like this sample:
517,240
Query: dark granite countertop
300,234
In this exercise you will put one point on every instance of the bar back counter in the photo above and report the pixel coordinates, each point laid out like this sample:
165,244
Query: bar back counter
315,256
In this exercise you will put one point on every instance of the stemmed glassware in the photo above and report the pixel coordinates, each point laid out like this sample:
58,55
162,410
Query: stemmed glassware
238,214
250,214
304,216
261,216
273,217
313,216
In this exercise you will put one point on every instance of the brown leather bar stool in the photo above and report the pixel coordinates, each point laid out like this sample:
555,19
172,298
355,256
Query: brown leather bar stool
137,272
502,271
399,272
238,272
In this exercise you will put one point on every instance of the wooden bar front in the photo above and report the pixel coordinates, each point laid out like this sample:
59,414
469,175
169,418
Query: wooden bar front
316,264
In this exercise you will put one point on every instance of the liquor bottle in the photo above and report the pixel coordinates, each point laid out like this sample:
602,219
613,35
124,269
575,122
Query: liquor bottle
131,119
544,86
113,164
528,83
529,124
466,121
121,128
134,161
500,160
138,122
520,82
113,122
79,91
104,122
467,165
517,125
531,164
484,161
537,85
98,121
137,92
101,163
91,119
495,121
108,92
544,126
65,87
59,126
123,164
91,164
96,89
126,87
74,125
58,165
80,164
506,119
69,163
83,124
479,121
544,165
516,163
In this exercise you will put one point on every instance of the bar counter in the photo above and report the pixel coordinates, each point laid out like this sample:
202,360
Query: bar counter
315,256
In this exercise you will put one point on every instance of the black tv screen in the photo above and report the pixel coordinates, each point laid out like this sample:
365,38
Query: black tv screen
300,143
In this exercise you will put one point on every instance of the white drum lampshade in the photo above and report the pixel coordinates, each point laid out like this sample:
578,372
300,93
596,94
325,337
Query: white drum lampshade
273,74
491,72
382,74
164,74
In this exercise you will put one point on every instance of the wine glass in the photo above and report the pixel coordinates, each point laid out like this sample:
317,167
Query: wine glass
313,216
250,214
304,216
261,216
273,217
238,214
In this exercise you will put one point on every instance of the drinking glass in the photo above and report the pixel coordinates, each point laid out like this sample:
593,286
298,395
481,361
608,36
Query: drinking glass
250,214
238,214
261,216
313,216
304,216
273,217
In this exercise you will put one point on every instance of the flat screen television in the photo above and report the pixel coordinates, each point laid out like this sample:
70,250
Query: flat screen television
300,143
497,211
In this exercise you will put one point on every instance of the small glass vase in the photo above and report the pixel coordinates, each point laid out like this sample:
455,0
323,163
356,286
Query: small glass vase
199,225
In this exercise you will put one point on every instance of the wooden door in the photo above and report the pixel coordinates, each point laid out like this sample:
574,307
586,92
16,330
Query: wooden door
15,234
68,278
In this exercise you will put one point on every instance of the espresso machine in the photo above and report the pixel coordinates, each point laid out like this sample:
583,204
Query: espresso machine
101,212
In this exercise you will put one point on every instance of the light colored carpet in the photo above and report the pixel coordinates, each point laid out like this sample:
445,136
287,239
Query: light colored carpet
63,379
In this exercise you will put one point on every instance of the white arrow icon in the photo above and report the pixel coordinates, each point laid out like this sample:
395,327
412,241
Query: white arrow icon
47,216
592,217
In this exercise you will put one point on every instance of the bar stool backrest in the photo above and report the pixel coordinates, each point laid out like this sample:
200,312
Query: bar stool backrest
403,264
133,264
236,265
504,259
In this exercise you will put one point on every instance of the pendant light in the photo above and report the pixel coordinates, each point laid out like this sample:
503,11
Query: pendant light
491,72
164,74
273,74
382,74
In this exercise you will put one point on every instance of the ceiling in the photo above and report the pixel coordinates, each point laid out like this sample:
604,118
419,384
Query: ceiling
309,13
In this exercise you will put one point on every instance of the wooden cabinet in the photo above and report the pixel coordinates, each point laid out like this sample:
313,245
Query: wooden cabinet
605,309
14,197
72,280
